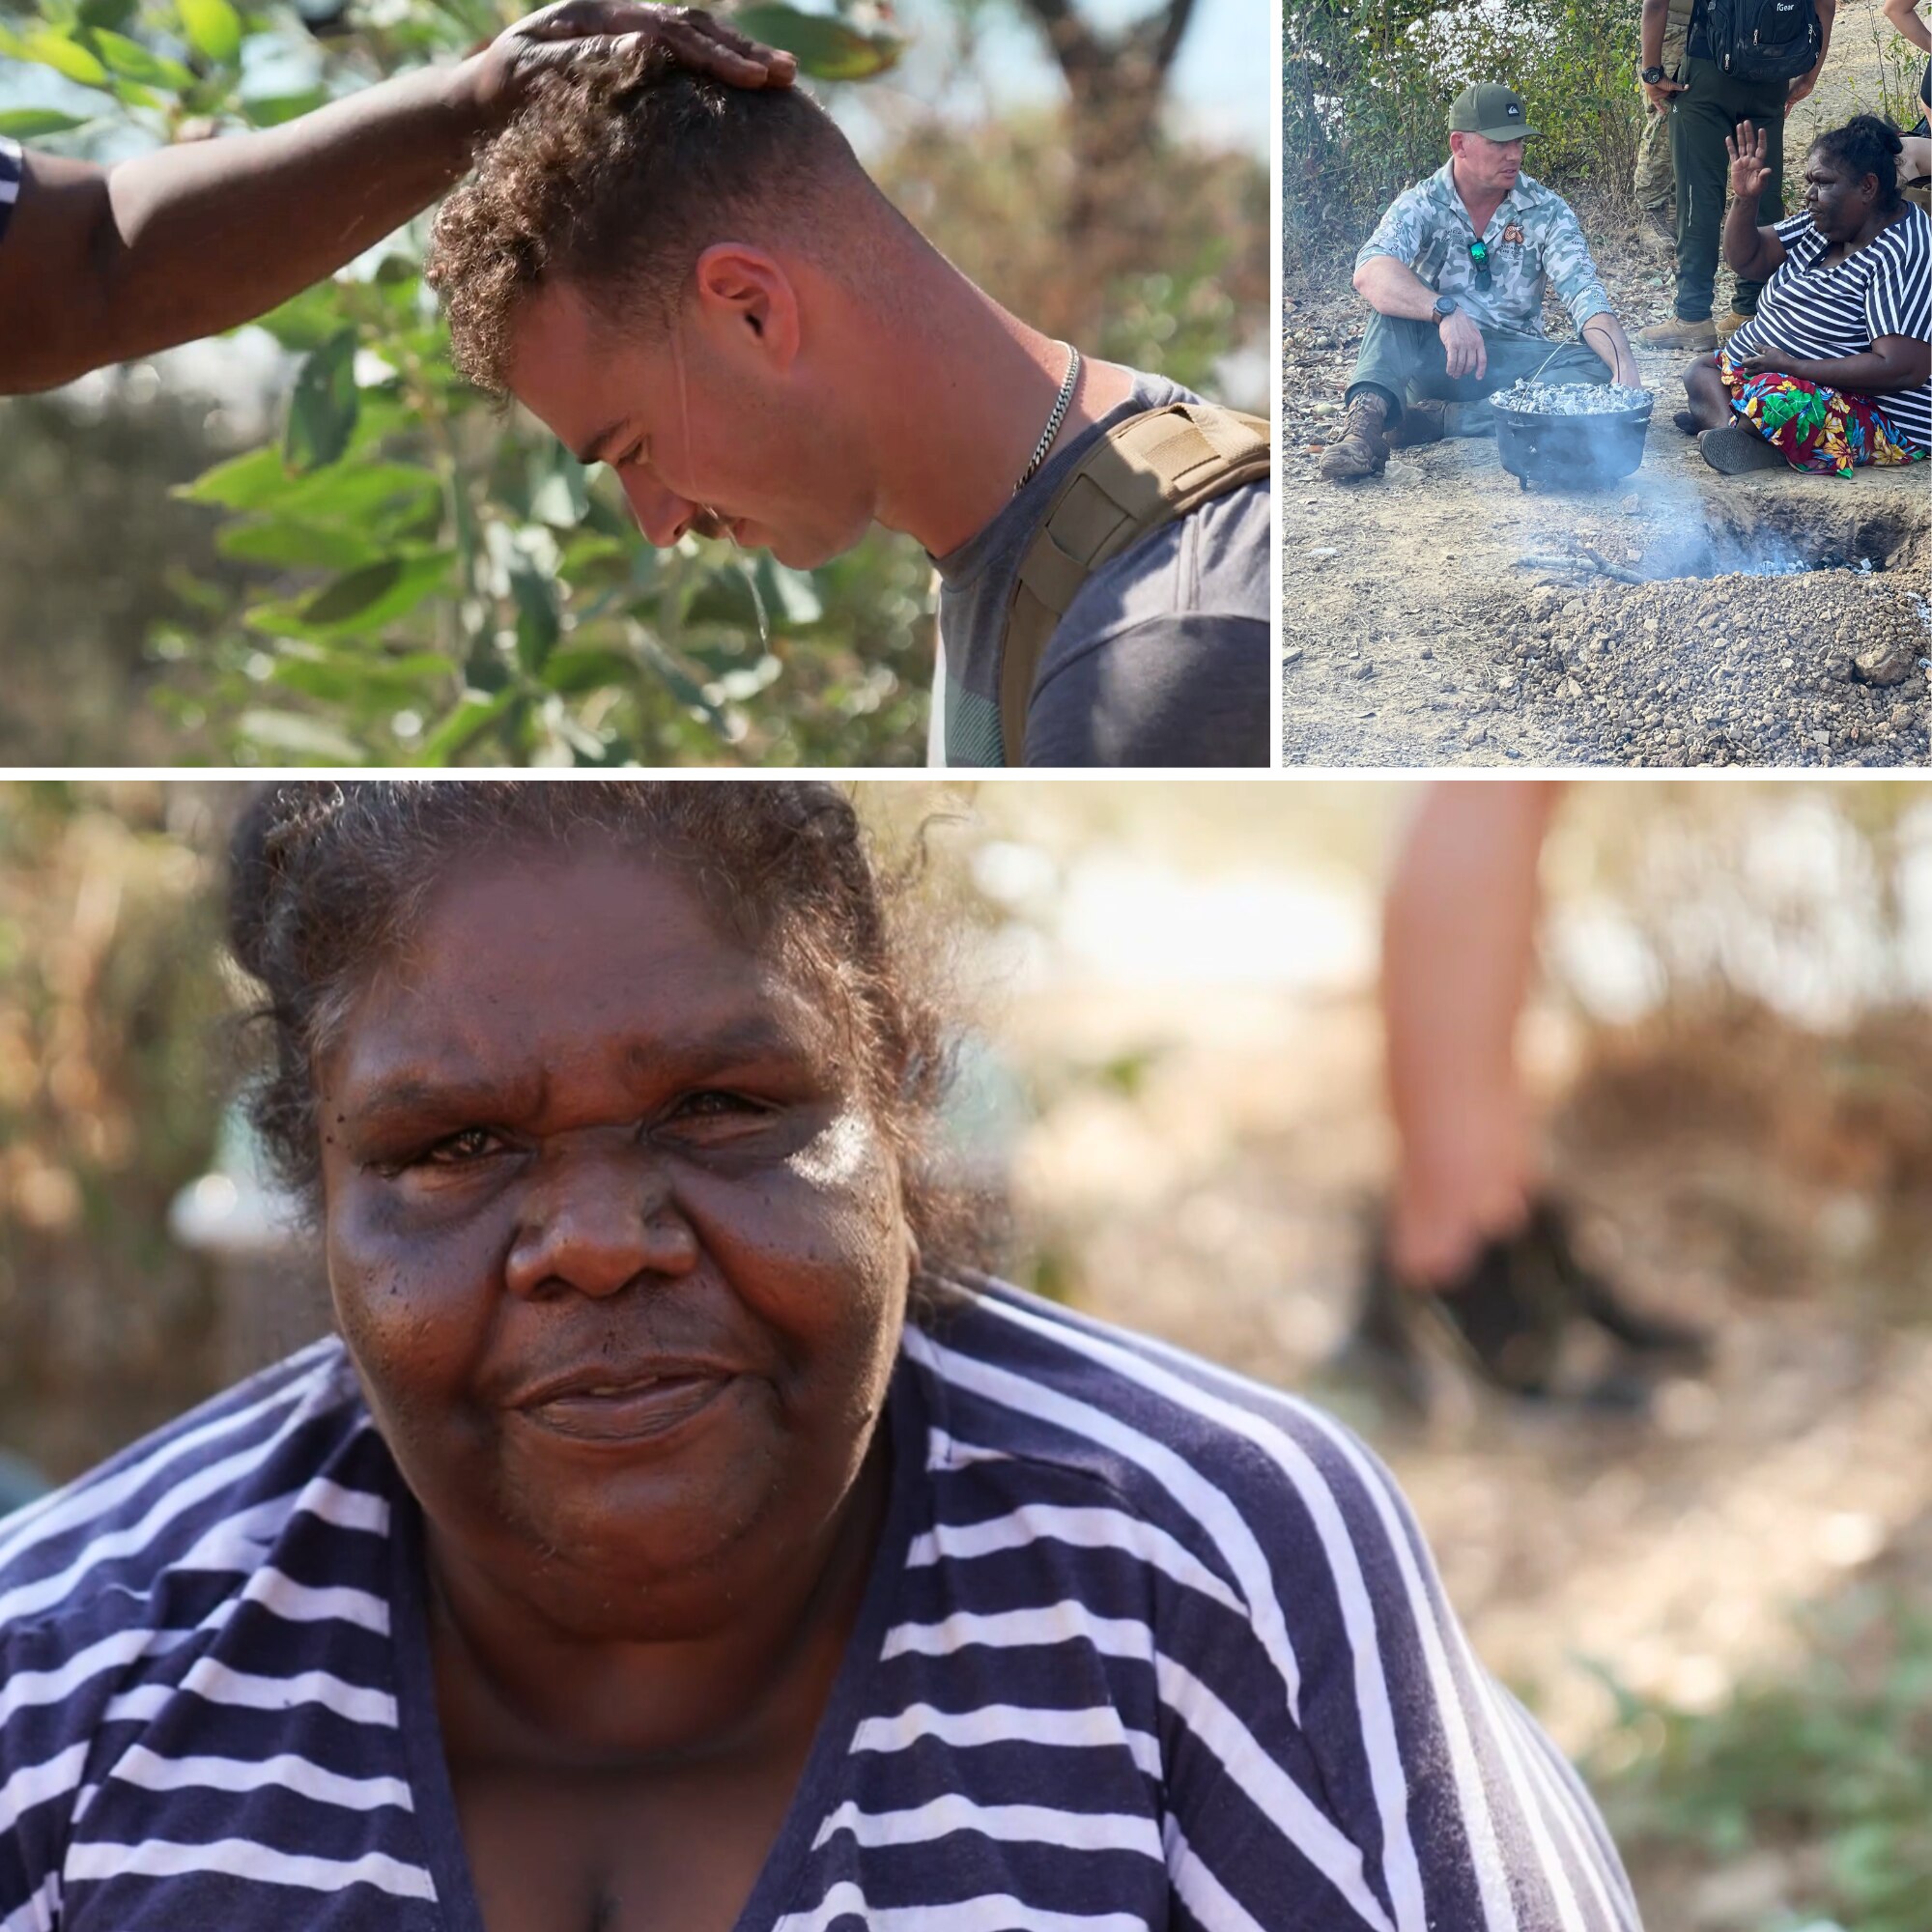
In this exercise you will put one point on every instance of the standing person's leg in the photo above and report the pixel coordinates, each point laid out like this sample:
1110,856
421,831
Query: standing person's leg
1764,108
1699,120
1655,184
1458,938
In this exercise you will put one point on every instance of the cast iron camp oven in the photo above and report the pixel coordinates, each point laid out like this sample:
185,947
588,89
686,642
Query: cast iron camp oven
1584,435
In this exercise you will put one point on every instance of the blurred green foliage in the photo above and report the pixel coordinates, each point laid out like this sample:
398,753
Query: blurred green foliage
1829,1766
1367,86
111,994
410,577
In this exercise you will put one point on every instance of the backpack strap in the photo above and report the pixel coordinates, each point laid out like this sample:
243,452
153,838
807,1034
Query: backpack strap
1149,471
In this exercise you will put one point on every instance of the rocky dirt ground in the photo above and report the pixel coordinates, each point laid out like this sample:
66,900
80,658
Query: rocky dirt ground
1439,614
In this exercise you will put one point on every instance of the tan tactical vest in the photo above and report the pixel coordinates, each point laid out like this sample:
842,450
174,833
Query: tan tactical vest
1152,469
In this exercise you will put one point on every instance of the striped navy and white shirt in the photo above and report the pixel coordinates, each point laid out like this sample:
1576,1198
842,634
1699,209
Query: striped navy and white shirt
1823,314
12,167
1144,1646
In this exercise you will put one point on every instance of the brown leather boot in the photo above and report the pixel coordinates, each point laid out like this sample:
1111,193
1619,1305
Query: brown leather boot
1361,449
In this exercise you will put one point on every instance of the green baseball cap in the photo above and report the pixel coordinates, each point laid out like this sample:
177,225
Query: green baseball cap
1487,107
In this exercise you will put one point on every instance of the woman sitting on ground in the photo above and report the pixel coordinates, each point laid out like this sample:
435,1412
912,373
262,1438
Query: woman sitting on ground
670,1540
1833,371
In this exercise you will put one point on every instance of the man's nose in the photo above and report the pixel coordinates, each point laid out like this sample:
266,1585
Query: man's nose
660,515
595,1220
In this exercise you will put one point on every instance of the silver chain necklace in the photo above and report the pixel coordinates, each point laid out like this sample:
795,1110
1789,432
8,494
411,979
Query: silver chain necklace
1060,405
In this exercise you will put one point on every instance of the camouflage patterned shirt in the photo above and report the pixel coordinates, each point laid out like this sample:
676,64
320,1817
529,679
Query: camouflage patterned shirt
1532,238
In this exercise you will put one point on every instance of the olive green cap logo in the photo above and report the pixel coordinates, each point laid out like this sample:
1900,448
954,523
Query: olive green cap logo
1489,108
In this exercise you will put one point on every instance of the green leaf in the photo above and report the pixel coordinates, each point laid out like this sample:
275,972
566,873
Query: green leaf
115,14
213,28
725,597
372,496
827,50
308,740
270,110
288,545
376,594
538,625
475,714
47,48
30,123
322,411
357,678
574,673
129,60
305,320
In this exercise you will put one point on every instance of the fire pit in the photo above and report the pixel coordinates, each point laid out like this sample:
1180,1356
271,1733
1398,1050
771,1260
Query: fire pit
1584,435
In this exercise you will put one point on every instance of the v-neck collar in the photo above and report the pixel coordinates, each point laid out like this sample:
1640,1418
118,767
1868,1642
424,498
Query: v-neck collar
444,1853
1447,176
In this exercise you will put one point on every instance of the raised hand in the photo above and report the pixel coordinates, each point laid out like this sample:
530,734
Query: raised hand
573,30
1749,169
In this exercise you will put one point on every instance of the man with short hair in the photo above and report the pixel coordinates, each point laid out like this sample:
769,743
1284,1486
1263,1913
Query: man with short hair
1455,274
100,264
1751,63
706,291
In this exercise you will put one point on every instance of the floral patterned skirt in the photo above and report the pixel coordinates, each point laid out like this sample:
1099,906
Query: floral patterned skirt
1815,428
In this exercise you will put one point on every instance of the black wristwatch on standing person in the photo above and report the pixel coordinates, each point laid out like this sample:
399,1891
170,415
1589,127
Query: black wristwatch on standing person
1651,76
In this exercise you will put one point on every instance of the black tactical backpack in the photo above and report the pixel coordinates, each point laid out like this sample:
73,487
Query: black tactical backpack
1763,39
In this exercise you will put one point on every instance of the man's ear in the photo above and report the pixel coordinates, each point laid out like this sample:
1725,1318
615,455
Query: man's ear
743,293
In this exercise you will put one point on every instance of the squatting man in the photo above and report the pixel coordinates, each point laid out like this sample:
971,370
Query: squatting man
1455,275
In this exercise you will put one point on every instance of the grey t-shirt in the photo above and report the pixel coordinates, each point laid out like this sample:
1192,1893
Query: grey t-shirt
1161,659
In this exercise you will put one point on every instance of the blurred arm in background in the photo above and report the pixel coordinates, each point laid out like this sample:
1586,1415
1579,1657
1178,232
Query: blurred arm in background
99,265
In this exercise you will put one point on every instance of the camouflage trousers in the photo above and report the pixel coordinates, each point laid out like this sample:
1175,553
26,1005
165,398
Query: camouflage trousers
1655,186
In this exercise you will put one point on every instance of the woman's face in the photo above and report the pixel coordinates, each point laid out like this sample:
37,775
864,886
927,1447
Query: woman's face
615,1242
1837,202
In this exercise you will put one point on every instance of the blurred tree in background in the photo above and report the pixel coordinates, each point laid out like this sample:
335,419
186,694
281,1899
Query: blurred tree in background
1367,86
110,1080
406,577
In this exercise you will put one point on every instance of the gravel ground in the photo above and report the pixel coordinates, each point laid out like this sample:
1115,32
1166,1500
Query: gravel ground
1440,615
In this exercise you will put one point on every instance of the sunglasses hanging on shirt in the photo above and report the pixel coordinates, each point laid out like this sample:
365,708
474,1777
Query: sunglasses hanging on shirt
1479,258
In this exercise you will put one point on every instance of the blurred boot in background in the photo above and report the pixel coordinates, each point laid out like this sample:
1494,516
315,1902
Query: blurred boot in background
1468,1245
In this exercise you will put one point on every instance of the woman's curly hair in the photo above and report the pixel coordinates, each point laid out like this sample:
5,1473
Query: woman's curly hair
329,880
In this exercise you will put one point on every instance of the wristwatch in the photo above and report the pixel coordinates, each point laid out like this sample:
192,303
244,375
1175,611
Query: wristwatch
1651,75
1445,308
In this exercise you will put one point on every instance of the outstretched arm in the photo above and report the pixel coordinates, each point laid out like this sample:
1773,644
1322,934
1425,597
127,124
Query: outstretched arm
100,264
1604,334
1904,16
